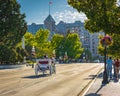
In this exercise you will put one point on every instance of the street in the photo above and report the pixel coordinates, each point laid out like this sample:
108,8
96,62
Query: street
69,80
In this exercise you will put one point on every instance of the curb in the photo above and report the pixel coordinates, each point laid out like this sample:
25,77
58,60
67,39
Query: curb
11,66
87,87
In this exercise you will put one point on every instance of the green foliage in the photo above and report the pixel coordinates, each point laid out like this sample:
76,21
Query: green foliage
7,55
12,23
57,44
115,46
40,41
69,43
12,29
101,50
61,44
113,49
73,46
41,37
29,39
21,53
57,40
102,15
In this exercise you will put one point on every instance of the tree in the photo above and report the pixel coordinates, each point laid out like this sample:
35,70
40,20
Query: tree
29,39
73,46
7,55
115,46
12,23
69,43
42,42
41,37
103,15
29,42
12,29
57,44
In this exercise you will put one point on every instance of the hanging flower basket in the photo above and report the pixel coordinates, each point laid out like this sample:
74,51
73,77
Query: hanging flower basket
106,40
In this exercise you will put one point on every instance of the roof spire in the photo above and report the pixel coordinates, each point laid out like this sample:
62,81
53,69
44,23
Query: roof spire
49,6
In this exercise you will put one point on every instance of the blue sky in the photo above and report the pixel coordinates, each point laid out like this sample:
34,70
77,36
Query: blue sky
37,10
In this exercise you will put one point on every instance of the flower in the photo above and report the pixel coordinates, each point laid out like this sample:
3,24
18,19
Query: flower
106,40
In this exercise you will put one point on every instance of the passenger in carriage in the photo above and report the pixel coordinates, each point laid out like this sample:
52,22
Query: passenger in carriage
45,56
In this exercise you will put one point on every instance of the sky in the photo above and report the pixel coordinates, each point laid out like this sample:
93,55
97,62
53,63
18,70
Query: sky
36,11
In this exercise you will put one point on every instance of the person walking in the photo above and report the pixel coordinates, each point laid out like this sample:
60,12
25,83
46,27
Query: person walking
114,68
117,66
109,63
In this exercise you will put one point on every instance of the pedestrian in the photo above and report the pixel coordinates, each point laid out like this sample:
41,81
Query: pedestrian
53,64
45,56
114,68
117,66
109,63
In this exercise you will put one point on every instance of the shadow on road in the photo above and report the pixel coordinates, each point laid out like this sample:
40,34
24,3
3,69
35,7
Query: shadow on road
94,76
93,94
35,77
90,77
100,75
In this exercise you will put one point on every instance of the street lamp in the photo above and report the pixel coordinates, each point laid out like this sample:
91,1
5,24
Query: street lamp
65,56
105,75
105,41
65,53
33,55
23,46
33,50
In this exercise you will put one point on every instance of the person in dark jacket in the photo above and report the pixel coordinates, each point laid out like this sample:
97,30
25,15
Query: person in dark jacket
117,68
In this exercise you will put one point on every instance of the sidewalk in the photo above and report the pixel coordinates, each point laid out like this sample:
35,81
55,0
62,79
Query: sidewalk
22,66
110,89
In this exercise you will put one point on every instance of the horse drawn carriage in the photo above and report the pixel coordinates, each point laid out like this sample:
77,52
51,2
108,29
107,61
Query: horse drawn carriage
44,65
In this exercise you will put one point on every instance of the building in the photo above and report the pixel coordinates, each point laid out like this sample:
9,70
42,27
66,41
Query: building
33,28
49,23
94,42
89,41
76,27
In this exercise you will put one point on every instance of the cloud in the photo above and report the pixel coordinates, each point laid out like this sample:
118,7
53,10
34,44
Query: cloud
69,16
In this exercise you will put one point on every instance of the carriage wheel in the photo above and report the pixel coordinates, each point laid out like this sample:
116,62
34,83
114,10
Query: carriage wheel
36,69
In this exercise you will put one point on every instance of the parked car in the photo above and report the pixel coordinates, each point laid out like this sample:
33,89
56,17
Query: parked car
96,61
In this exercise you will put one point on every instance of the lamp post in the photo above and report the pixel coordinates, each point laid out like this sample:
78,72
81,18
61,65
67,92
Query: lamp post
65,57
105,75
23,46
33,51
33,55
105,41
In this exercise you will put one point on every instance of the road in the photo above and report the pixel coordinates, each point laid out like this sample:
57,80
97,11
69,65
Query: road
69,80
